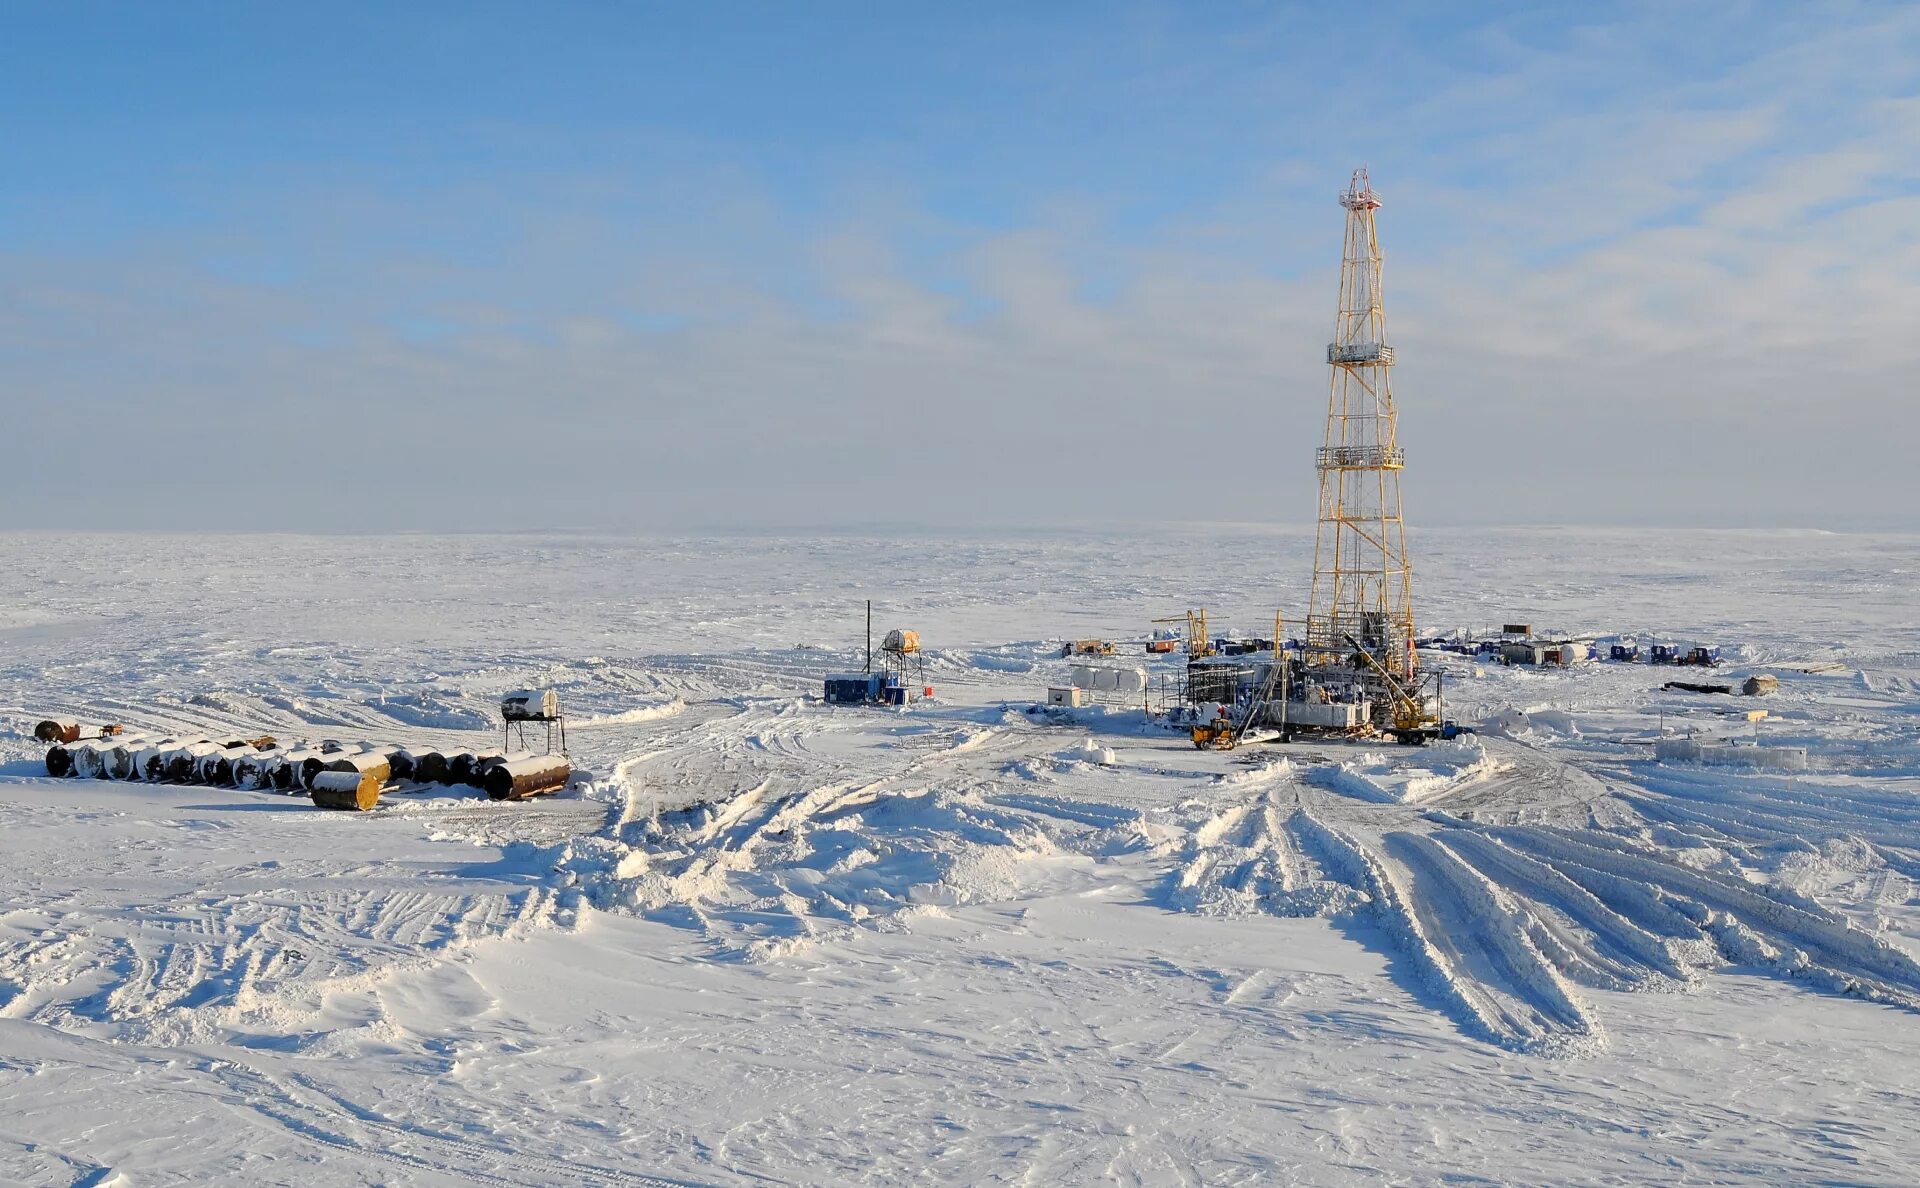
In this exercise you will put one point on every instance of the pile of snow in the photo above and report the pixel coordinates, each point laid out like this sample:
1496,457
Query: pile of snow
652,712
1089,751
768,874
435,713
1540,722
1409,777
998,661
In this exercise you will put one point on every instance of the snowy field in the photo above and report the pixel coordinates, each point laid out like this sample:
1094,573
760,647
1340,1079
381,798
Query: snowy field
769,940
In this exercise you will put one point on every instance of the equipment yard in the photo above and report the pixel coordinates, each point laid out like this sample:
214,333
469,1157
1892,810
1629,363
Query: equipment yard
975,936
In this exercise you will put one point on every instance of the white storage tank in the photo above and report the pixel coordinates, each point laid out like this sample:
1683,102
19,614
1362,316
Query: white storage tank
530,705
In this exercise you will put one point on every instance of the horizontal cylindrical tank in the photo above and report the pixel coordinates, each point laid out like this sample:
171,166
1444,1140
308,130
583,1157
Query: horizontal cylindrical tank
530,705
901,641
533,775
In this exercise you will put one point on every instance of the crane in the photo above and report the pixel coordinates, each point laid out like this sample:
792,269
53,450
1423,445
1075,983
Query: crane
1196,620
1413,722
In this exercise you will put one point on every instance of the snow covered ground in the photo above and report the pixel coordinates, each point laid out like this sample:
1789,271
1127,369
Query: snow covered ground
774,940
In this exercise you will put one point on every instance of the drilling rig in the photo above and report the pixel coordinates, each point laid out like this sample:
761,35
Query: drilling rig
1360,618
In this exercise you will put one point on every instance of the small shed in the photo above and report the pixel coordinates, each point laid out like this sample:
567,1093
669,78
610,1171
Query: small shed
1526,651
1067,696
853,688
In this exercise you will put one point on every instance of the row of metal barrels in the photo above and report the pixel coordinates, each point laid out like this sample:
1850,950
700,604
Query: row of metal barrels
244,763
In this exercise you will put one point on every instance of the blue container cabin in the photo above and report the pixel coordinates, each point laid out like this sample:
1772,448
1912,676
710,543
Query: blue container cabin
853,688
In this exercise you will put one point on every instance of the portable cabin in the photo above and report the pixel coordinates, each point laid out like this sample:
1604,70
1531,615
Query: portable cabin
1527,651
1320,715
1088,647
1627,652
853,688
1067,696
1665,653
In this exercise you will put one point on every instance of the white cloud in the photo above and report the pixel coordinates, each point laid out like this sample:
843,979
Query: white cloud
1594,307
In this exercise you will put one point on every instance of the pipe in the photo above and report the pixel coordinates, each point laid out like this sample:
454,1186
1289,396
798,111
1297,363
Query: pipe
372,764
400,763
217,768
346,789
254,770
465,767
118,757
535,775
178,764
430,767
149,762
283,773
57,730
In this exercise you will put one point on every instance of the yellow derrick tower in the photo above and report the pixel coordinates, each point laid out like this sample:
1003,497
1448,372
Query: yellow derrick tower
1362,584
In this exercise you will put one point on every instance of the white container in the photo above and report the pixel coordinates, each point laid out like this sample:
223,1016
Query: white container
1320,715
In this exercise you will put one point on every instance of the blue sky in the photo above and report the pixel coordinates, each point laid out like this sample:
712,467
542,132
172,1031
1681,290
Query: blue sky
751,264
